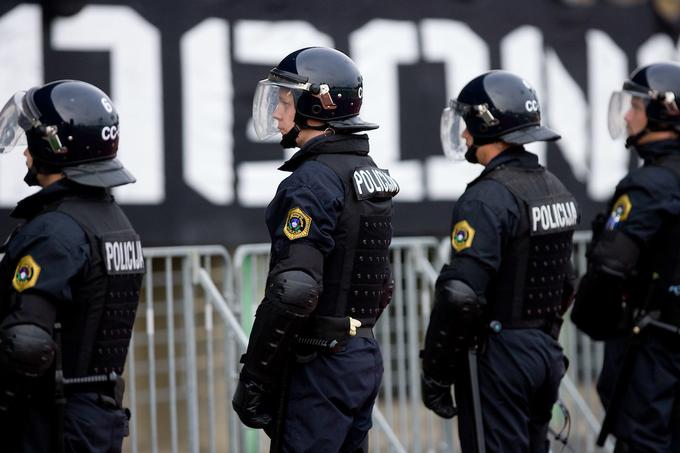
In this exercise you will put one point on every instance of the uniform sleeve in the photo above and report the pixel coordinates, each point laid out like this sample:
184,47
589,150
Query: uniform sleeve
643,201
302,218
484,219
49,252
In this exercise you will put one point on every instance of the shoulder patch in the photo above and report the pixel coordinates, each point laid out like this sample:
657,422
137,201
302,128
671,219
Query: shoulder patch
462,236
297,224
373,182
26,274
620,211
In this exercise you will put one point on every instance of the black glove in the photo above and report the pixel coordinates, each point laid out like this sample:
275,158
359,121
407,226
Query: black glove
253,403
437,397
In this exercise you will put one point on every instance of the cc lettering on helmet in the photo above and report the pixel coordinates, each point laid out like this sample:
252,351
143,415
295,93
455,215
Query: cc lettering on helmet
531,105
109,133
360,92
107,105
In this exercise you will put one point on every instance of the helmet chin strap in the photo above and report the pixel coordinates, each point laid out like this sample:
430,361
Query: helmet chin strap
471,154
288,140
31,178
633,140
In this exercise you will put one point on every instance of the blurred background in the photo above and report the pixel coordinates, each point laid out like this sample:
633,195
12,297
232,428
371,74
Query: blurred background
182,74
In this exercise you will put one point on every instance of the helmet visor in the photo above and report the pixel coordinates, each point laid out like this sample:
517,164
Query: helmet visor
620,104
451,129
13,123
273,100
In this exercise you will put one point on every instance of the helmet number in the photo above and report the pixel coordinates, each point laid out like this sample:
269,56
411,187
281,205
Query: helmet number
109,133
531,105
107,105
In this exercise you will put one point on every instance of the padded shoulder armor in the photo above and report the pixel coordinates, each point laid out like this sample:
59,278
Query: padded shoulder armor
297,290
615,253
26,349
456,293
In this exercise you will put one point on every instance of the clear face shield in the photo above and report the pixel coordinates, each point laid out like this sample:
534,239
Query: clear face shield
451,129
13,124
274,101
621,104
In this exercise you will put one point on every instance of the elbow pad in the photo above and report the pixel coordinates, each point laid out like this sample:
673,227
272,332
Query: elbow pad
615,254
455,320
26,349
295,290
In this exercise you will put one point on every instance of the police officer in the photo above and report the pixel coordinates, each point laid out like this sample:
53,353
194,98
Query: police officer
329,275
634,265
510,264
70,276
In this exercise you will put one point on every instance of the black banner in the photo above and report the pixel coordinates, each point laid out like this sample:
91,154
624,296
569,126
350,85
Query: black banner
182,75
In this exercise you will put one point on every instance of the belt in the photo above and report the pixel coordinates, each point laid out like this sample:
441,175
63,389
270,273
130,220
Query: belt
334,345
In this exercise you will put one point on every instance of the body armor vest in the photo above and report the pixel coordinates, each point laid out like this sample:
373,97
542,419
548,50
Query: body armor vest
662,258
527,290
357,279
97,327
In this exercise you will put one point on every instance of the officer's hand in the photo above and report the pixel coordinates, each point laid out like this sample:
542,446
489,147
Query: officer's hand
253,404
437,397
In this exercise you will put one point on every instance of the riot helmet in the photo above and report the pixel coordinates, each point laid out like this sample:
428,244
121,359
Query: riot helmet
653,89
324,85
495,106
70,127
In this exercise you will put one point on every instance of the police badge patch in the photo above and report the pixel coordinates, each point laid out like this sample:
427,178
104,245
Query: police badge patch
297,224
26,274
462,236
620,212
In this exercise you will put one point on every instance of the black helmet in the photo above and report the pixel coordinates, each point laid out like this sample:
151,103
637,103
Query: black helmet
658,86
326,86
71,127
495,106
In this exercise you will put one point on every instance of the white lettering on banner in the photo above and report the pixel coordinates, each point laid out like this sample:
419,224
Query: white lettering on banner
136,87
607,69
522,53
208,92
446,179
124,256
567,110
208,107
553,217
378,66
22,54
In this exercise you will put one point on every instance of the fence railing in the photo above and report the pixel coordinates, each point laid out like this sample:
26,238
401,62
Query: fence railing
198,305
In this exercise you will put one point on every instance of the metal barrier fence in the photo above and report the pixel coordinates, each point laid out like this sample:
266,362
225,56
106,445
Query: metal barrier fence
197,304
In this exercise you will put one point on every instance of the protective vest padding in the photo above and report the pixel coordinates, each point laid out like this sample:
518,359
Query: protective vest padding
527,290
662,256
357,274
98,326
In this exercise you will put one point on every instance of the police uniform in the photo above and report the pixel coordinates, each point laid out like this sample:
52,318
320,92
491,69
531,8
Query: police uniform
332,218
511,241
76,261
329,278
645,209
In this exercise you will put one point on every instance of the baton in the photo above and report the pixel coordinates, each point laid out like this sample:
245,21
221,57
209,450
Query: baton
495,328
476,400
277,436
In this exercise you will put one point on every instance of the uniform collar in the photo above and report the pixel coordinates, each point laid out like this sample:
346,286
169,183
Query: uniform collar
332,144
34,204
650,152
515,156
